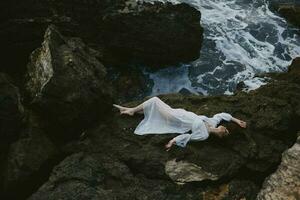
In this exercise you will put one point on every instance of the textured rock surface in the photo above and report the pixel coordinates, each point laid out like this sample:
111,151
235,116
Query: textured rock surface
285,182
25,158
11,119
74,175
94,176
130,84
67,83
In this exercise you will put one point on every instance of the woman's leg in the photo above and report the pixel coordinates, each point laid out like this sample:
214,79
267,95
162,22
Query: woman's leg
162,106
129,111
137,109
228,117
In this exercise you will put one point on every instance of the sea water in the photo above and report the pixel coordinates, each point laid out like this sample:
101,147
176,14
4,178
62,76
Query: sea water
242,38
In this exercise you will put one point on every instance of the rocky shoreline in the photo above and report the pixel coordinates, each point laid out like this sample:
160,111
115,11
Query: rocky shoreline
61,139
112,162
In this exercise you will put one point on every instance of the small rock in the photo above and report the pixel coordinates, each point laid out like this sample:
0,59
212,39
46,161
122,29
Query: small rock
183,172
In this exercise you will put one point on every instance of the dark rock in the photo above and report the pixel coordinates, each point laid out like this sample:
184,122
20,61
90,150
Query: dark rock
94,176
74,178
130,84
152,34
290,11
11,118
240,86
11,110
185,91
67,84
26,159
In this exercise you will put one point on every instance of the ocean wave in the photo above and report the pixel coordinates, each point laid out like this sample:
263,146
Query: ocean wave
242,38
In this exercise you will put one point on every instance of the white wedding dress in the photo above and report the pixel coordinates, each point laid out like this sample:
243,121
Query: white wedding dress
160,118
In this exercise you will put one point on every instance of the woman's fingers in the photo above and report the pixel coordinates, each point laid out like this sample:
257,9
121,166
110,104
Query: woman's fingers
242,124
226,131
168,147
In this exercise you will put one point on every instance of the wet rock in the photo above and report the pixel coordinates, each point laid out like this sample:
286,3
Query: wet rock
152,34
26,158
67,83
11,110
285,182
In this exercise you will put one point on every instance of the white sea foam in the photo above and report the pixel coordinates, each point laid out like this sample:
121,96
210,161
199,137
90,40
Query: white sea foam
172,79
254,83
242,38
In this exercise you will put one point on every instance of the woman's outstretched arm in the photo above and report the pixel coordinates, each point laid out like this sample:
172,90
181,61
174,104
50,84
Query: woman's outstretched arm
220,131
228,117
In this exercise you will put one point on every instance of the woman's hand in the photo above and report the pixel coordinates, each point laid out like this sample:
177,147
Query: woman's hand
169,144
241,123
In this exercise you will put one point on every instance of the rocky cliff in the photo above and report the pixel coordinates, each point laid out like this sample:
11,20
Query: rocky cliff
61,139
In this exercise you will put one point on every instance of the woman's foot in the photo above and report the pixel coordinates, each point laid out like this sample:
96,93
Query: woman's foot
128,111
242,123
169,145
121,108
124,110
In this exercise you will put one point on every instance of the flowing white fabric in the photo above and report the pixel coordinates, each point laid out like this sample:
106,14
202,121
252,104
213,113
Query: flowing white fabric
160,118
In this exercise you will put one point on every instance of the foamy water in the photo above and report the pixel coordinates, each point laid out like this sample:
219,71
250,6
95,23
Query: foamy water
242,38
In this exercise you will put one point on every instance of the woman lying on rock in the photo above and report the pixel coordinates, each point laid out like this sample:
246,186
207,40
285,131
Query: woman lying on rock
160,118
